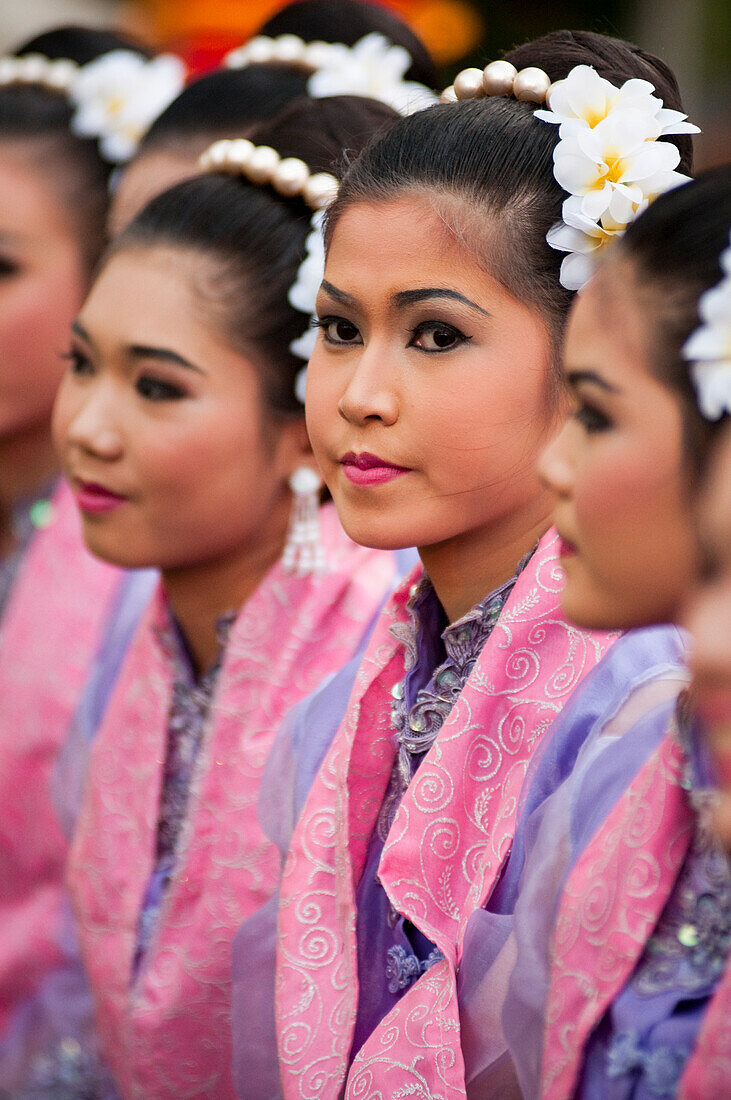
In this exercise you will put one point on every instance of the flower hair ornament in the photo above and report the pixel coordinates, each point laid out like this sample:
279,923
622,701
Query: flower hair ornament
289,177
115,97
608,157
709,348
373,67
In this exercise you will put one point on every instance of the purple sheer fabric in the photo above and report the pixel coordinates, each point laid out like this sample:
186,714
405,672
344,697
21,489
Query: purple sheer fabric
640,701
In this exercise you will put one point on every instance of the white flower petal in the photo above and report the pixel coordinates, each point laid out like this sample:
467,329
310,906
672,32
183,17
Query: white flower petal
576,270
713,386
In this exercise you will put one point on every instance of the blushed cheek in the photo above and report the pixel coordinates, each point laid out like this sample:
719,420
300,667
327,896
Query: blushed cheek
33,338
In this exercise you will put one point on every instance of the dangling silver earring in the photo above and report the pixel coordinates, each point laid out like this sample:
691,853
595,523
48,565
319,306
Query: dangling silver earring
304,553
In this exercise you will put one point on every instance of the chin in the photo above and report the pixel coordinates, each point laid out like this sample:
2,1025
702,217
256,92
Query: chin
373,532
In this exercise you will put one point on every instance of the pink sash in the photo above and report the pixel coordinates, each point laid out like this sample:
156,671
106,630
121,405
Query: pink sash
708,1071
611,902
445,850
48,637
167,1032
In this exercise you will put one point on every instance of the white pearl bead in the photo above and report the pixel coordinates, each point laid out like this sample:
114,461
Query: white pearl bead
448,95
8,70
217,155
468,84
498,77
305,480
262,164
288,48
236,59
531,85
35,68
290,176
317,54
551,90
239,152
62,74
320,190
259,50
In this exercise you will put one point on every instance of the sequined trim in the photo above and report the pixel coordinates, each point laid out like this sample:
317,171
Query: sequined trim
661,1068
403,967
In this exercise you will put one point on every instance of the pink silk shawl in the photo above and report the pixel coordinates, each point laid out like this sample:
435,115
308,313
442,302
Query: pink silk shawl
48,636
610,904
166,1030
707,1073
450,838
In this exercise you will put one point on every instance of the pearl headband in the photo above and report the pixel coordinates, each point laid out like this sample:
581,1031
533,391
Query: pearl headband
608,158
290,177
373,67
116,96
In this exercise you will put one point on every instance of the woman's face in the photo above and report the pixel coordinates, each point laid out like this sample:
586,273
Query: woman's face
426,393
160,424
618,469
42,284
709,620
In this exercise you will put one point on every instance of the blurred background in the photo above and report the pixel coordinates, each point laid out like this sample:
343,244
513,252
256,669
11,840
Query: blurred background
693,36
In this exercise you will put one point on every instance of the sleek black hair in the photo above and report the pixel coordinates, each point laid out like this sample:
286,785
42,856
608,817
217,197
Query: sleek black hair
40,118
673,250
496,160
255,239
228,102
348,21
224,103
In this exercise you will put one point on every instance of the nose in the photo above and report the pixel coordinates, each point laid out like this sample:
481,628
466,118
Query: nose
554,466
371,393
93,426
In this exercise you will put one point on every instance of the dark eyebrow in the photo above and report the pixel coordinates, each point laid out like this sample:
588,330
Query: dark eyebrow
163,355
78,328
338,295
590,377
410,297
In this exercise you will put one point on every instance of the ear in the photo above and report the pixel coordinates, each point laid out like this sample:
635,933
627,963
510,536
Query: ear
295,449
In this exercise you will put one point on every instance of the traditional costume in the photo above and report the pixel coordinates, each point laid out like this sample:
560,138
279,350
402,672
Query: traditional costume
169,857
407,830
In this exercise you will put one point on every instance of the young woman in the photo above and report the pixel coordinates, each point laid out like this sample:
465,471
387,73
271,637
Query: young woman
185,443
623,923
253,87
431,390
54,597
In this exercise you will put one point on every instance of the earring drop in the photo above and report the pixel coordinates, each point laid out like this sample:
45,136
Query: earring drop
304,553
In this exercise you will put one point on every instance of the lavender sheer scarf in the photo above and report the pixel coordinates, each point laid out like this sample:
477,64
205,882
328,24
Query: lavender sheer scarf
502,980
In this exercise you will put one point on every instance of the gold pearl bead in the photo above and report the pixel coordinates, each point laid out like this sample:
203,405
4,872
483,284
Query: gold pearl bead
531,85
468,84
498,78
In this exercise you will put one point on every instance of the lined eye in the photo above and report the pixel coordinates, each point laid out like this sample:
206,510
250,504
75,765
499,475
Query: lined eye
156,389
79,363
592,419
436,336
338,331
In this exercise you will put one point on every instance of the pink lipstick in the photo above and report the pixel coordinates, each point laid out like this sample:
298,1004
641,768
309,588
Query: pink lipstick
94,498
368,469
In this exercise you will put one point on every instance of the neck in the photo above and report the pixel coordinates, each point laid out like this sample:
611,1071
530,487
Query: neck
199,595
468,567
27,463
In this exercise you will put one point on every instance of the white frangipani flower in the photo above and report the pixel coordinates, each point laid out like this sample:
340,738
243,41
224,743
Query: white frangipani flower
709,348
119,95
373,67
586,98
608,159
302,294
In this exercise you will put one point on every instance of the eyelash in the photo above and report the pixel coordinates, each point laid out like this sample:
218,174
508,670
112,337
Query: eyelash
592,420
8,268
426,327
147,385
